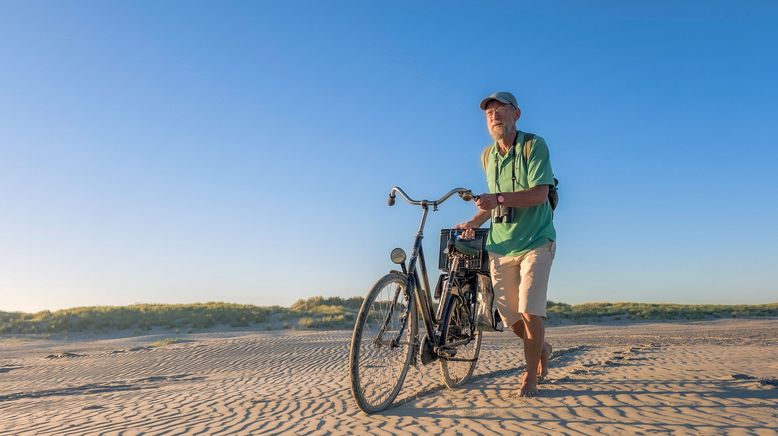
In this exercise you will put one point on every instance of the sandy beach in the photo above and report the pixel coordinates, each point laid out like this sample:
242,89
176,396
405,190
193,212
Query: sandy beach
688,378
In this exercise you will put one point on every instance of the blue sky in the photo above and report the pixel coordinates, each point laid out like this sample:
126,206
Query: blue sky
176,152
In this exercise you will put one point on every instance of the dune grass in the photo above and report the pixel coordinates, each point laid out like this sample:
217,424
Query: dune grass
657,312
142,317
315,312
322,313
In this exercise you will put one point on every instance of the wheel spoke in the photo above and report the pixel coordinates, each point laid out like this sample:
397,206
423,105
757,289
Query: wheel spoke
468,340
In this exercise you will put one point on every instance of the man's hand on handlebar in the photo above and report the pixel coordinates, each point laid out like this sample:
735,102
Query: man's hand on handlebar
486,201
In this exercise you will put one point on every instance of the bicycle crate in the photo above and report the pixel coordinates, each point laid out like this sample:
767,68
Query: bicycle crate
479,262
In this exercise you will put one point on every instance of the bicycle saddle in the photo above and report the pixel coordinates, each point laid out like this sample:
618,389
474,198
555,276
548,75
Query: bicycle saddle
468,247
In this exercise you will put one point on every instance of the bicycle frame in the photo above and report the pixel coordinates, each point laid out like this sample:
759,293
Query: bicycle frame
417,284
420,281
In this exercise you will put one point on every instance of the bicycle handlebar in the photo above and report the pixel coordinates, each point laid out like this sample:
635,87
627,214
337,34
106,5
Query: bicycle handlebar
466,195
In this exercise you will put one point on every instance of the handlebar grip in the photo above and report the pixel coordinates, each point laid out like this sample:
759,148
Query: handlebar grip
390,201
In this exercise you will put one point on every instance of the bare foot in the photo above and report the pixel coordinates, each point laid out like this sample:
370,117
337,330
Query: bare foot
545,355
526,389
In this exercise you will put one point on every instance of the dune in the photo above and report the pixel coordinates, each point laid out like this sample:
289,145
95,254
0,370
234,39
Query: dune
687,378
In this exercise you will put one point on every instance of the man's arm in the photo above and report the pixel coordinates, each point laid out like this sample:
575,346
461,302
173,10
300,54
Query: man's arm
476,221
487,202
527,198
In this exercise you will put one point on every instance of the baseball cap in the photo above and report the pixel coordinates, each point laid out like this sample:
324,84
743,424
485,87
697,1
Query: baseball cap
503,97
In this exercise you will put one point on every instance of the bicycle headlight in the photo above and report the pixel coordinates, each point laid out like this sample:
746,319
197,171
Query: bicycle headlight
398,256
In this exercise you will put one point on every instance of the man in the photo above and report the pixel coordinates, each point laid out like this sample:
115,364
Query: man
521,241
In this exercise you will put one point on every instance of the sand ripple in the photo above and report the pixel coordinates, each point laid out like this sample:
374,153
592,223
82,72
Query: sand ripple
613,379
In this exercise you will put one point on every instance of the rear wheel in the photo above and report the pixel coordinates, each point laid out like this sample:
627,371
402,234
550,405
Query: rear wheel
382,343
457,369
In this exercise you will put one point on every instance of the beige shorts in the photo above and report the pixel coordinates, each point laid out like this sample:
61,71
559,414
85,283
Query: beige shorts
521,282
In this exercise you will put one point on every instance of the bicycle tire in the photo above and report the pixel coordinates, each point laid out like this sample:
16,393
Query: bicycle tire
455,373
378,369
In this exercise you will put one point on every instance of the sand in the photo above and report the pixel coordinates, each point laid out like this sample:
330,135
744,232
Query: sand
685,378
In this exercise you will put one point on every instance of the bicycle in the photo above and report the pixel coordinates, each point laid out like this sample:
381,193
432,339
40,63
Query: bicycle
386,338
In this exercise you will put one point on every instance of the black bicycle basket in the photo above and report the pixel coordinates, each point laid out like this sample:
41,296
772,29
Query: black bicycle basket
479,261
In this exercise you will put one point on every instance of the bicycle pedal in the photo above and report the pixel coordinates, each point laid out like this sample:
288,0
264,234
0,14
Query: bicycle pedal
447,352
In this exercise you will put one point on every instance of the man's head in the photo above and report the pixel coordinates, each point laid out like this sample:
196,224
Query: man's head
501,112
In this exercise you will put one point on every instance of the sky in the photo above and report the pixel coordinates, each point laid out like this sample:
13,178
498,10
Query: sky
190,151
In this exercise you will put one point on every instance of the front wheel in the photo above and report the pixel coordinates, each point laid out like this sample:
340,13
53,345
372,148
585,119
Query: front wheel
382,343
461,330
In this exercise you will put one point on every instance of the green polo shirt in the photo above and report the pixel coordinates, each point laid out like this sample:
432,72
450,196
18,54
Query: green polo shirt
530,227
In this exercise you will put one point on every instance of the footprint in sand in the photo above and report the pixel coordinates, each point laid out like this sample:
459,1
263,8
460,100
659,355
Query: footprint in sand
742,377
64,355
769,382
565,378
764,382
9,368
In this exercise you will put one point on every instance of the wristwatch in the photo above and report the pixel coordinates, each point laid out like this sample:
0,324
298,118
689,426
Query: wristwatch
500,199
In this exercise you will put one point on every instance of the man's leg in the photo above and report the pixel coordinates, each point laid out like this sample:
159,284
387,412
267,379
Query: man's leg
533,348
545,358
545,354
533,287
518,328
505,282
507,278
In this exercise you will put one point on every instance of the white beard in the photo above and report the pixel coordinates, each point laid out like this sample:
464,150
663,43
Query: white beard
500,132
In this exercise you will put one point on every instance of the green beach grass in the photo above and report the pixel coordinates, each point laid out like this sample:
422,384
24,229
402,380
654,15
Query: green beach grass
323,313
